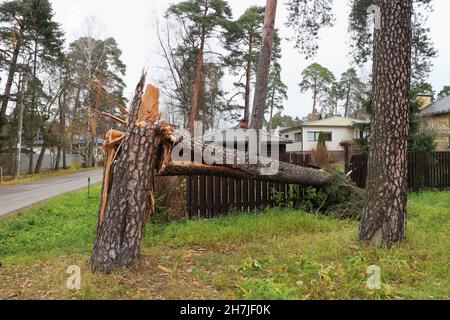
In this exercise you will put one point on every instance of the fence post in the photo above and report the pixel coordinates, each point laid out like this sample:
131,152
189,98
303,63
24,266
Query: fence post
89,187
1,174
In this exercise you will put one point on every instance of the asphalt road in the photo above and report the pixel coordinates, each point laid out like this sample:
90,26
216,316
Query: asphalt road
20,196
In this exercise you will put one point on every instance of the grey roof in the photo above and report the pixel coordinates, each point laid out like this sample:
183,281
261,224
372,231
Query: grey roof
439,107
240,135
335,121
284,130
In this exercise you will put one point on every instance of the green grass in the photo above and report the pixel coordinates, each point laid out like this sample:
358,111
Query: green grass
275,255
8,180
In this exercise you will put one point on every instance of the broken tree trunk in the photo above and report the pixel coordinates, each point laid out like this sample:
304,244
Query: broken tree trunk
127,197
144,150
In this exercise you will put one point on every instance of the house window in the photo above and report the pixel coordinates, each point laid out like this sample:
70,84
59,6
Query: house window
313,136
298,137
361,135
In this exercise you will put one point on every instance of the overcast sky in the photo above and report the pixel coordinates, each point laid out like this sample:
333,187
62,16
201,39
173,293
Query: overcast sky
130,23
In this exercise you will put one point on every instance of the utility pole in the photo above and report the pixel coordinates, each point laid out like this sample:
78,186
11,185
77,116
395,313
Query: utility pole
19,131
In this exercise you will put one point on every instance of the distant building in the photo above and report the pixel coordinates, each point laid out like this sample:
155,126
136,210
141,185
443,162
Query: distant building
435,118
241,136
336,130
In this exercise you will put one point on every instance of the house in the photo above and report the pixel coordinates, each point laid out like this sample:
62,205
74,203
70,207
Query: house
435,118
241,137
336,129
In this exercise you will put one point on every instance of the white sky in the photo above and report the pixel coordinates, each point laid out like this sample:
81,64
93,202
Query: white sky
130,23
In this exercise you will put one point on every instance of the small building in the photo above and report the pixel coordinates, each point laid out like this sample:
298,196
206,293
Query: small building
435,118
336,129
242,136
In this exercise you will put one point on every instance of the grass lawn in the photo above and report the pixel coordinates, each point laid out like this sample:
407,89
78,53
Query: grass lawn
276,255
8,181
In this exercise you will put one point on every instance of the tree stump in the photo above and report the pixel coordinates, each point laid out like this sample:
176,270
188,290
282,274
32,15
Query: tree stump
127,197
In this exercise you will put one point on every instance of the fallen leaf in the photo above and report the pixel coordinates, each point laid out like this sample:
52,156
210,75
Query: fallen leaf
188,256
164,269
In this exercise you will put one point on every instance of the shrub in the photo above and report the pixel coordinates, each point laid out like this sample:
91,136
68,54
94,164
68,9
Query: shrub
343,198
340,198
321,156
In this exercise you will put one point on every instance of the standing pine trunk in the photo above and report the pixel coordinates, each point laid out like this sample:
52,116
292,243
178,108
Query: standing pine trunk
271,110
40,158
9,81
314,109
127,196
62,130
57,162
248,78
262,78
198,74
197,84
384,217
347,102
31,157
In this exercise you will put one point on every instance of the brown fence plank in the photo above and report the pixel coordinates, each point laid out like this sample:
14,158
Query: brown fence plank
189,197
203,204
195,198
258,198
265,194
245,196
251,199
225,191
217,196
232,194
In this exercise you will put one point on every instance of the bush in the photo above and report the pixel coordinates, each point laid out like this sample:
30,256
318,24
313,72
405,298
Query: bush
162,213
343,198
423,143
321,156
340,198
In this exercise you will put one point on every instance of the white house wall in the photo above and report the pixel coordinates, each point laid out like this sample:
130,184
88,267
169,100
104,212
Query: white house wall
293,147
339,135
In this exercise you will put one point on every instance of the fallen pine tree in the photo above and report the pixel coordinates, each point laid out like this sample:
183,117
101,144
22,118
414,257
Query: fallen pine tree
143,150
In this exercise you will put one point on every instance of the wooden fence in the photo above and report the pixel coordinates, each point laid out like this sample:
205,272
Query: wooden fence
423,173
208,197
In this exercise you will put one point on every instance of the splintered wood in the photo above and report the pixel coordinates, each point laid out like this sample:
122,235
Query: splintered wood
102,92
115,118
149,109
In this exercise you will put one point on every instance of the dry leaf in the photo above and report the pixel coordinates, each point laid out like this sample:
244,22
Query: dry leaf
164,269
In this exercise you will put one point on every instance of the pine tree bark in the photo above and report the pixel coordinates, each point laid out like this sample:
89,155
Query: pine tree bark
31,157
127,192
384,218
58,158
19,130
10,79
262,78
314,110
198,74
248,79
62,131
